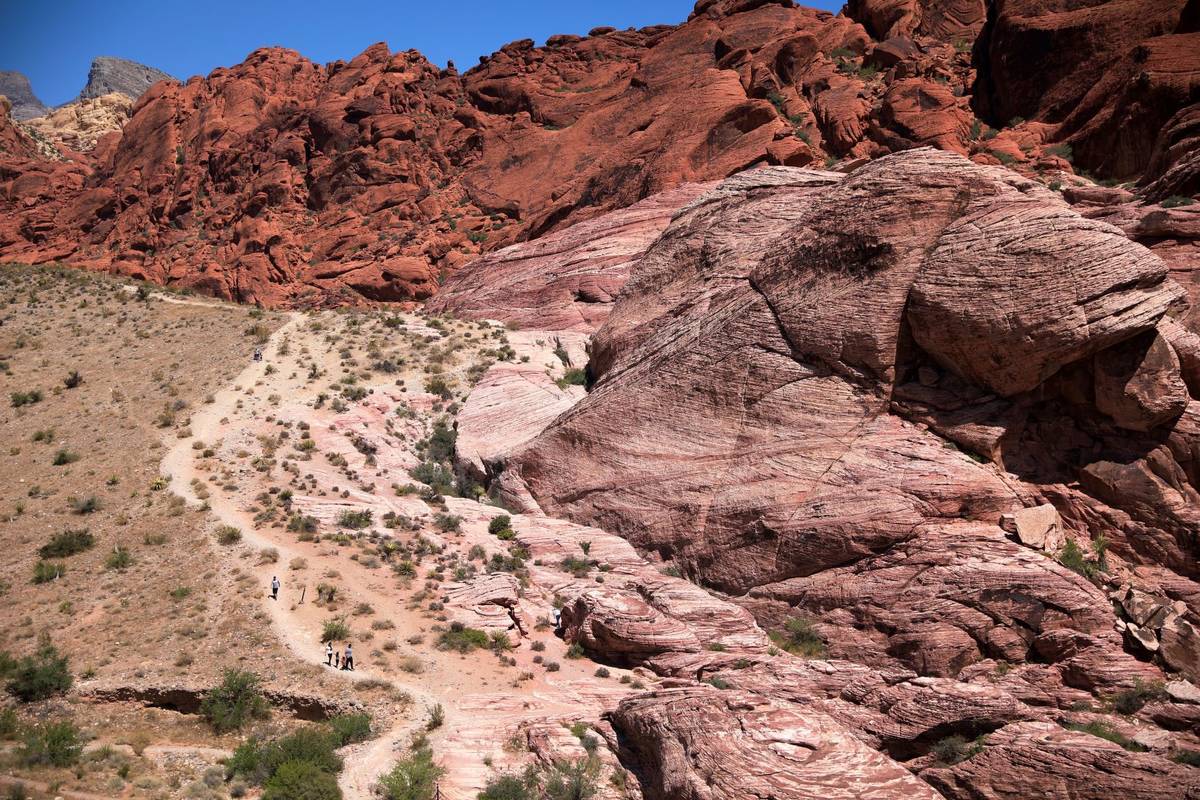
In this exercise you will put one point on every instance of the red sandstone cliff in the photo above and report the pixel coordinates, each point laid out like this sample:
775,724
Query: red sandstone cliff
280,181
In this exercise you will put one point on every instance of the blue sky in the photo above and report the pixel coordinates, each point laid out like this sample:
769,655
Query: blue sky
54,42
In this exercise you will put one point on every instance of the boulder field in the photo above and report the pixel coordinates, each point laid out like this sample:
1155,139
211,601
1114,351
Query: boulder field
283,182
927,412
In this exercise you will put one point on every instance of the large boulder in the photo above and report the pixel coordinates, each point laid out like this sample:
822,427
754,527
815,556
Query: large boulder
740,419
1139,384
701,743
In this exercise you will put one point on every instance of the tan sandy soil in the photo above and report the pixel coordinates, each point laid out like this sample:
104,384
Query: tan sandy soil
184,609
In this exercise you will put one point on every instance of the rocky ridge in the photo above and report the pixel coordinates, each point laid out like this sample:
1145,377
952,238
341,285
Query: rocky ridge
23,103
112,75
283,182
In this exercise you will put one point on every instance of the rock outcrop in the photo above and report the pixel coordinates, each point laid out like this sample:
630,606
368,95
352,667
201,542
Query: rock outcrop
743,423
700,742
24,103
81,124
856,414
1110,73
794,302
1035,759
14,142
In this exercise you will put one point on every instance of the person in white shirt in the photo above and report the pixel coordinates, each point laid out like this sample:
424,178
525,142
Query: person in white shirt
274,587
329,654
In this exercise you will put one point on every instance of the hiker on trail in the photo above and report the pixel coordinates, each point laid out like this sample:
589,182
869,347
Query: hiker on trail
329,654
258,354
348,659
337,658
274,587
557,613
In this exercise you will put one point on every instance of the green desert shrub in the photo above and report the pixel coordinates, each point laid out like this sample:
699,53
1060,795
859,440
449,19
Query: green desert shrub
512,786
414,777
574,376
119,559
433,473
36,677
9,724
448,523
64,457
1132,700
355,520
300,780
46,571
462,639
351,728
227,535
237,700
27,398
953,749
56,744
799,637
334,630
573,780
1105,731
85,505
67,543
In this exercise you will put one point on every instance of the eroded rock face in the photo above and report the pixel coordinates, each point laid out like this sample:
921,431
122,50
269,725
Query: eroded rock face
14,143
1112,72
700,742
957,594
774,398
948,20
23,102
1139,384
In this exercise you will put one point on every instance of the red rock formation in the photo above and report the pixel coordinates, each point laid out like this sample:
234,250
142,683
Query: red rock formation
802,323
1112,72
947,20
283,182
754,421
13,141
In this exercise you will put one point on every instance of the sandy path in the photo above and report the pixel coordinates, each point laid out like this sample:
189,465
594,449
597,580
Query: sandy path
482,706
365,762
